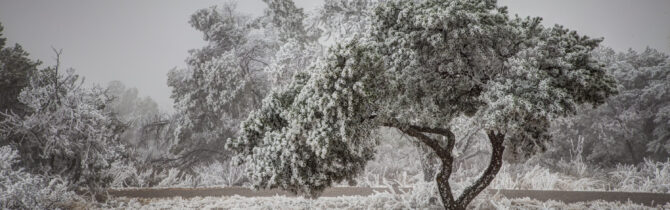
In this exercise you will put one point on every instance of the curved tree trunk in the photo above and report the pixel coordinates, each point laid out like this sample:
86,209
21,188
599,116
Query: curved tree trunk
495,163
443,186
444,153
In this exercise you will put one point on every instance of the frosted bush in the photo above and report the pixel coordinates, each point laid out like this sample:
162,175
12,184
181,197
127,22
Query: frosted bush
174,178
125,174
535,177
650,176
68,133
22,190
221,174
423,195
576,165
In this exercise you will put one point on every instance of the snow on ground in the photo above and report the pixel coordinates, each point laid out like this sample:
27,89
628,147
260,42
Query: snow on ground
377,201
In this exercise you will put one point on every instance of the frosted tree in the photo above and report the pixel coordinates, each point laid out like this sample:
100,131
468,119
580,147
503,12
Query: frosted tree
422,65
68,132
222,82
15,70
287,19
147,137
336,20
342,19
128,105
632,125
244,59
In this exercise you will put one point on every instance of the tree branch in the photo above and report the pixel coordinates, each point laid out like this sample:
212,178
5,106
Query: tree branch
417,132
432,143
56,85
444,153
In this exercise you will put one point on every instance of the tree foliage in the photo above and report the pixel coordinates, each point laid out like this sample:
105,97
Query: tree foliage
15,72
68,132
244,59
632,125
223,80
22,190
422,65
128,105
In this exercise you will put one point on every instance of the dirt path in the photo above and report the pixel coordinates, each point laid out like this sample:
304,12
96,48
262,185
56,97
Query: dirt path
649,199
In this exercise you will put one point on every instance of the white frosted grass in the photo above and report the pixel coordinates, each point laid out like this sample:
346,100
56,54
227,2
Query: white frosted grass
376,201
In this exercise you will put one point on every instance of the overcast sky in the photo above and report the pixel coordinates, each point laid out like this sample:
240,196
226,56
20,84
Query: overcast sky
137,42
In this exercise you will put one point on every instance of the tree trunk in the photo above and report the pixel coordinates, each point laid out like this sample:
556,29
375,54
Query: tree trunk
495,163
633,156
472,191
443,186
444,154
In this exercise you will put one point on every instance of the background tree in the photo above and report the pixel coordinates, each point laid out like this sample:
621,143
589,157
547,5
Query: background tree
128,104
341,19
421,66
148,136
222,81
632,125
15,72
68,132
244,59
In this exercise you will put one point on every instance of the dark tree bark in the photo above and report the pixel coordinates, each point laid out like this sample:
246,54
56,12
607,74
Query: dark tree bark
428,162
495,163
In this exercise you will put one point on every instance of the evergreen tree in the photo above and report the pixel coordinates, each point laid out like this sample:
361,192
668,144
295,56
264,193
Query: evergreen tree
422,65
15,72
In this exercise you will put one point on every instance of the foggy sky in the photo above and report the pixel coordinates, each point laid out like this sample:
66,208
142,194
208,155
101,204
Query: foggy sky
138,42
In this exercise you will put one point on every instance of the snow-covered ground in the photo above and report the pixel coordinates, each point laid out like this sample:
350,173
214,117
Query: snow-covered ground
377,201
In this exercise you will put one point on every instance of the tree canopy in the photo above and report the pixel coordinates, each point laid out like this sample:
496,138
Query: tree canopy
421,65
15,72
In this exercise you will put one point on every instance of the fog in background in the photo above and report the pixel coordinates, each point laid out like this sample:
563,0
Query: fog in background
138,42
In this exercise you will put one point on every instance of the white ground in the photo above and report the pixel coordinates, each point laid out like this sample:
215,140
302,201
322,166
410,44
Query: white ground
377,201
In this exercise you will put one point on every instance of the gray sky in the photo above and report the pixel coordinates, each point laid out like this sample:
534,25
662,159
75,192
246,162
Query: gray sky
137,42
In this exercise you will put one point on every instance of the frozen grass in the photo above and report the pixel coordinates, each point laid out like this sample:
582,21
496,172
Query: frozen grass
650,176
526,203
224,174
522,177
23,190
377,201
397,165
216,174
